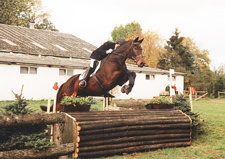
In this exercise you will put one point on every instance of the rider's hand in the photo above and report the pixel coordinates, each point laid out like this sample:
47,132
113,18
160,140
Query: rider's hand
109,51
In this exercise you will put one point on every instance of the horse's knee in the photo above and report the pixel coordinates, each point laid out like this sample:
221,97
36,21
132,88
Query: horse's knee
133,74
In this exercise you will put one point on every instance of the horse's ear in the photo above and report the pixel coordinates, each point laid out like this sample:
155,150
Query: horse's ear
140,41
136,40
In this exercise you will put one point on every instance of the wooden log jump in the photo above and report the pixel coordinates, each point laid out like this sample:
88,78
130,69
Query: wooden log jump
23,121
107,133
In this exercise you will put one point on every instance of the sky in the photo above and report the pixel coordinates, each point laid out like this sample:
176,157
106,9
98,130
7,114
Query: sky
94,20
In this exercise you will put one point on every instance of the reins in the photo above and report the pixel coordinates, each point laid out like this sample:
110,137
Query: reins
133,57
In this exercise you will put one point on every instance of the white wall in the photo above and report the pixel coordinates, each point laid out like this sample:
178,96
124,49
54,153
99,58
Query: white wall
39,86
147,89
36,86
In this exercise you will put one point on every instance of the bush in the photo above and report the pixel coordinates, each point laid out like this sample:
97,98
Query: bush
160,100
182,104
73,100
23,137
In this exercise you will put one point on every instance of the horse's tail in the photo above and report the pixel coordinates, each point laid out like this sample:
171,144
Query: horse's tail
58,97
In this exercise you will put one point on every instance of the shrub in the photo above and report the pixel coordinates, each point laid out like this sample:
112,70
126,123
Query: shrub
19,106
23,137
182,104
160,100
72,100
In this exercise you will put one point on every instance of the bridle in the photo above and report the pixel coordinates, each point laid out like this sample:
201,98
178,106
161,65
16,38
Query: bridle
131,51
133,57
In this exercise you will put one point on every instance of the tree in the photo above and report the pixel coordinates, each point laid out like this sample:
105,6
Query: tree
24,12
183,55
201,60
152,47
219,85
129,31
33,136
177,56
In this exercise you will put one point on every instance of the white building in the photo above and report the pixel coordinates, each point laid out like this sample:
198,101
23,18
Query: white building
38,58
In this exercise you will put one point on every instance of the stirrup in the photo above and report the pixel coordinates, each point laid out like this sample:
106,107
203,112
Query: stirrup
83,83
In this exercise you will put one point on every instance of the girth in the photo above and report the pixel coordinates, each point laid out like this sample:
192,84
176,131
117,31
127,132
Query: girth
100,85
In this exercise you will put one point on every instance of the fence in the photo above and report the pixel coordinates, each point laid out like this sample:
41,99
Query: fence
221,95
197,95
35,119
104,133
109,133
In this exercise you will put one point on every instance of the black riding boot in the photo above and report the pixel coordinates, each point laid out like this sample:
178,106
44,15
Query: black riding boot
87,74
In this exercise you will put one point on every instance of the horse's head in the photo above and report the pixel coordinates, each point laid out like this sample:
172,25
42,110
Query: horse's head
136,52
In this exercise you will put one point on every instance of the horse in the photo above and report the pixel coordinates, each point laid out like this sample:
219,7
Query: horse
112,72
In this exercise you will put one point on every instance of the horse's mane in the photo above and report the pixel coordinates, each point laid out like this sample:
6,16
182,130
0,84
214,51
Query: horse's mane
119,49
122,48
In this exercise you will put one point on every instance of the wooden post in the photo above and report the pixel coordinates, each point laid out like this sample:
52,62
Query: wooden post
190,98
105,103
171,72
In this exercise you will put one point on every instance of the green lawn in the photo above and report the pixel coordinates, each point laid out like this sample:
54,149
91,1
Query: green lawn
210,145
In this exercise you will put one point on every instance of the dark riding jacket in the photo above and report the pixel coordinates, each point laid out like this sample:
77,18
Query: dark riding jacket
100,53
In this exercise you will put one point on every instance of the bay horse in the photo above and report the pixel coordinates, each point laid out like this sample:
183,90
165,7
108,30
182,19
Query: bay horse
112,72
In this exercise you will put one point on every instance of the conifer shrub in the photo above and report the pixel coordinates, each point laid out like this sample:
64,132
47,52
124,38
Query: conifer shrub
23,137
183,104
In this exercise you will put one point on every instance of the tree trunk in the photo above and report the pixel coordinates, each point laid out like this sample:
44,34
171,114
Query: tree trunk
121,151
59,150
31,119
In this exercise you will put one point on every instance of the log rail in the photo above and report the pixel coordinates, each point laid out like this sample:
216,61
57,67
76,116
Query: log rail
64,149
105,133
111,133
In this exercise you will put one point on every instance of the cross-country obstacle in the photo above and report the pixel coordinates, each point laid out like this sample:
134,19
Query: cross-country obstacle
108,133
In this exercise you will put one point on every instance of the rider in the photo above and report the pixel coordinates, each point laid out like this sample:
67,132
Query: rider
98,55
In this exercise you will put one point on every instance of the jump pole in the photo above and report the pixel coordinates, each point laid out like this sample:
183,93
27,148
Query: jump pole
190,98
171,73
105,103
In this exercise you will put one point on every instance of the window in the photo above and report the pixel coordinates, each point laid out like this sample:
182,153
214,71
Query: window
33,70
28,70
69,72
64,72
150,77
173,78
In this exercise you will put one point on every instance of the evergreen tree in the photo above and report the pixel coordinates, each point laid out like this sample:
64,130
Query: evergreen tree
17,107
219,85
177,56
23,137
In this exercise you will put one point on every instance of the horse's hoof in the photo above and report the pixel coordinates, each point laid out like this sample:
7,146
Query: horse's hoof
125,89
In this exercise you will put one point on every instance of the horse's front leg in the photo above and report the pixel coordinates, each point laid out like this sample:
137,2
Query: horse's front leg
130,76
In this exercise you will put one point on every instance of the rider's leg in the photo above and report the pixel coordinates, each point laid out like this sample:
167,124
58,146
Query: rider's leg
88,72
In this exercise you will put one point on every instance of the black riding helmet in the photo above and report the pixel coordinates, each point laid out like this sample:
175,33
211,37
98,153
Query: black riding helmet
120,41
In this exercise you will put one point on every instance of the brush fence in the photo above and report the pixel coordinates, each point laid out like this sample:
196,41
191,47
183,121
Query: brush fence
109,133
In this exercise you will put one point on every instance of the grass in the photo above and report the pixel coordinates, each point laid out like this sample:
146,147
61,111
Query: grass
210,145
